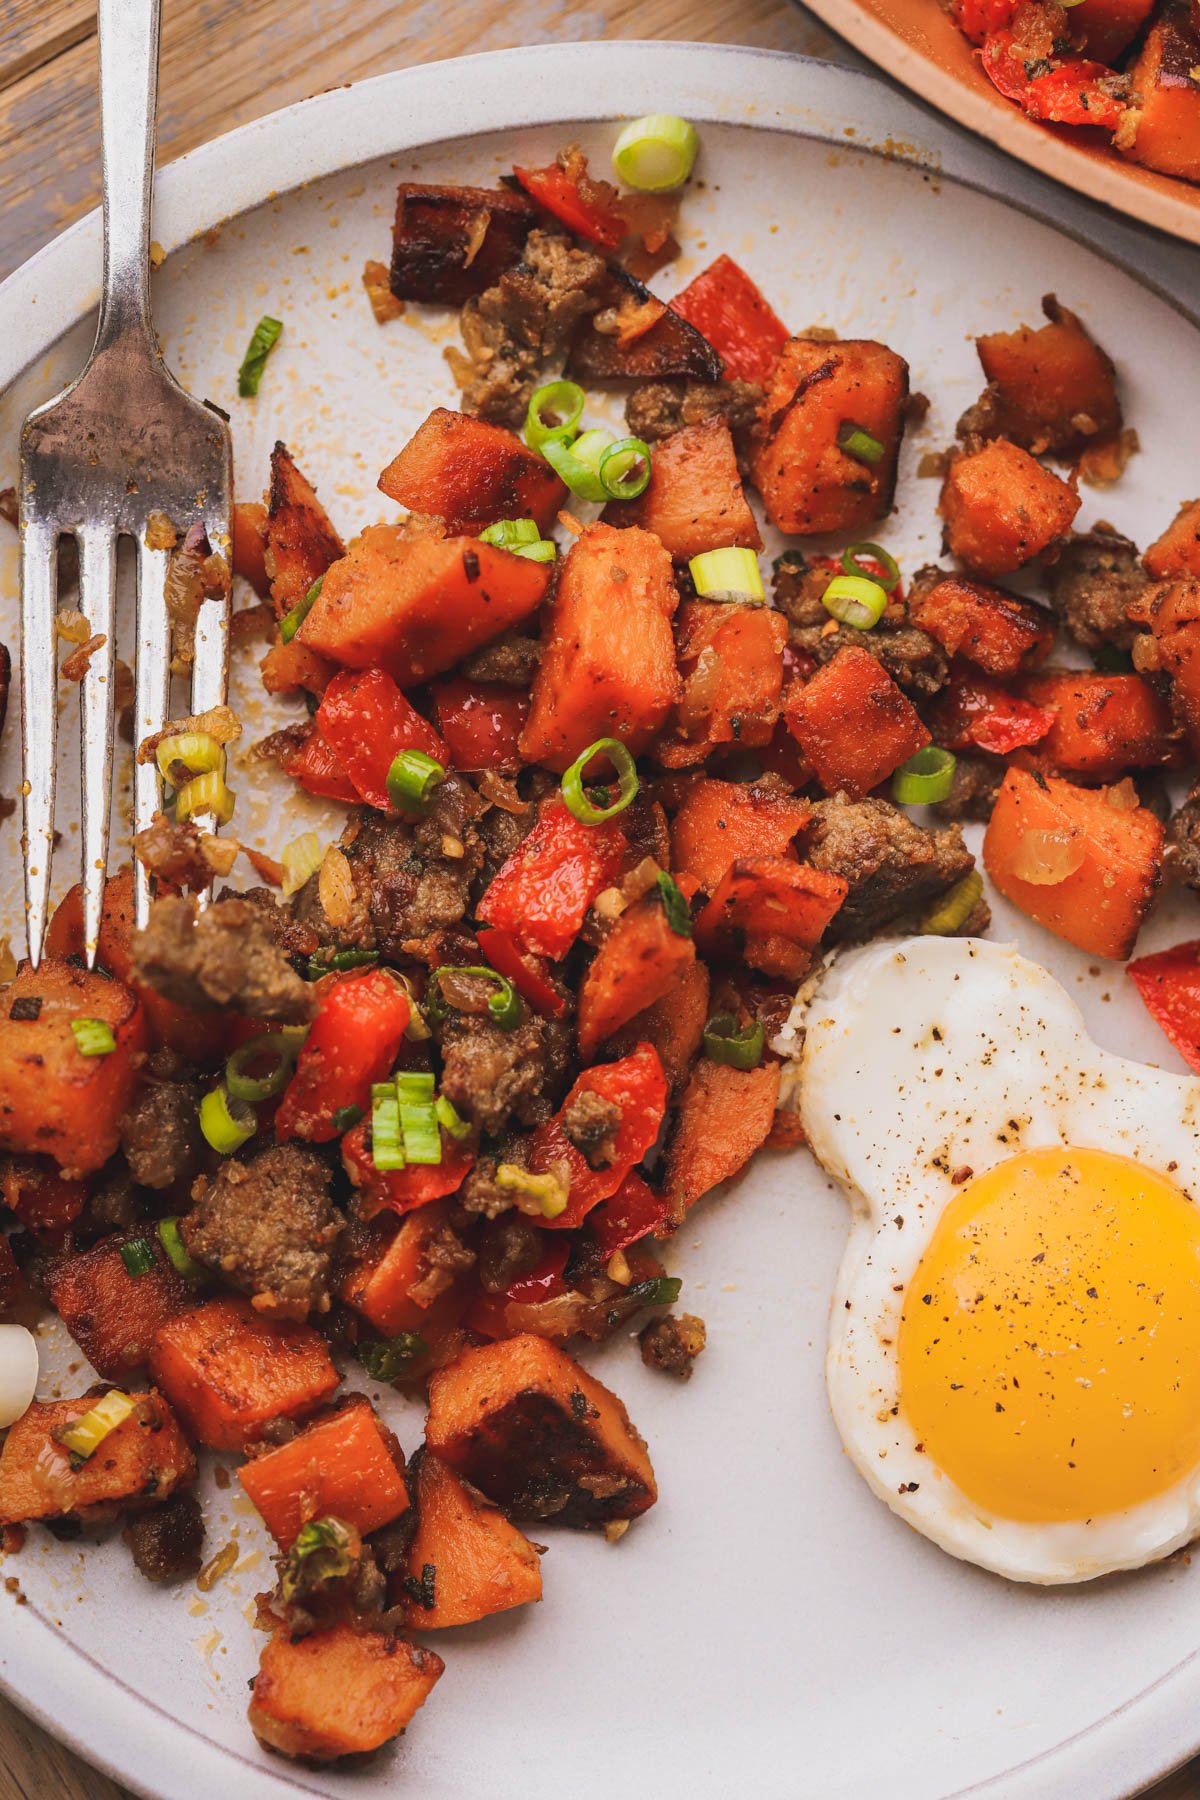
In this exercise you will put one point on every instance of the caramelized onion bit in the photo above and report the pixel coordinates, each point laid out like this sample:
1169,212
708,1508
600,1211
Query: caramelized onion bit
1047,857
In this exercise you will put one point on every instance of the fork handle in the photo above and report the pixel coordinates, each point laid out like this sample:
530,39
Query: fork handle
129,33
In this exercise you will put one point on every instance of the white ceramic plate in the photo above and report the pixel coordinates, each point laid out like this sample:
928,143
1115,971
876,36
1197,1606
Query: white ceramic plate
768,1629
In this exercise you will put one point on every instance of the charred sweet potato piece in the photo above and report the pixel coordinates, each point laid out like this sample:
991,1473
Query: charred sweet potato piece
818,394
480,1563
776,908
469,474
725,1115
1108,27
414,606
731,663
449,243
695,500
998,632
344,1466
670,350
141,1461
1177,551
1172,610
1001,508
340,1692
229,1371
249,545
1161,126
287,668
113,1315
41,1198
673,1026
853,723
1052,388
538,1435
1086,868
720,821
608,662
640,960
54,1100
381,1284
1104,725
300,541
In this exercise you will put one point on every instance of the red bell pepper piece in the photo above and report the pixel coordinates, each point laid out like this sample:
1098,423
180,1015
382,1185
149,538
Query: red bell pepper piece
586,214
544,1281
526,971
402,1190
542,893
976,713
638,1086
727,308
366,721
1169,986
1068,93
353,1041
480,722
979,19
46,1202
316,768
633,1212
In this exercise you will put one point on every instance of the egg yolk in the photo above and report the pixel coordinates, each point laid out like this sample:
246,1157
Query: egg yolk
1050,1340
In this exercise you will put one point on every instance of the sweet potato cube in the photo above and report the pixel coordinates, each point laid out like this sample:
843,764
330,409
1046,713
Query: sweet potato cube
1052,388
1087,869
725,1115
113,1315
695,500
481,1564
299,539
344,1466
608,663
54,1100
340,1692
523,1422
640,960
142,1460
249,545
1108,27
1161,127
1104,725
668,349
808,482
996,631
470,474
1001,508
415,605
1173,610
449,243
776,909
720,821
673,1026
731,663
1177,551
853,723
229,1371
380,1284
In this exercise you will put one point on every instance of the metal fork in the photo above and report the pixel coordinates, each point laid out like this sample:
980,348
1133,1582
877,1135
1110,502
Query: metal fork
120,443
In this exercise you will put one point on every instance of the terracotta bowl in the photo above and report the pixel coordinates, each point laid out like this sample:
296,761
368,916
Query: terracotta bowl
918,44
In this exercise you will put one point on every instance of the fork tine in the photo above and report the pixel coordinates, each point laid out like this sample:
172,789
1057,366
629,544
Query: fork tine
152,696
39,720
97,601
210,670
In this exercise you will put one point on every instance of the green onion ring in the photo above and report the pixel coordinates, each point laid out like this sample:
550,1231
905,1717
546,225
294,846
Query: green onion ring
504,1006
566,400
506,534
226,1123
178,1254
924,778
625,469
283,1046
886,561
137,1256
726,1042
411,780
855,600
954,907
583,481
857,442
574,797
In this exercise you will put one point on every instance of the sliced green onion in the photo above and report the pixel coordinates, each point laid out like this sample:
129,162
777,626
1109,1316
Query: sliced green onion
419,1129
178,1255
196,751
545,550
625,469
346,1118
583,481
226,1123
655,153
731,574
138,1256
449,1119
546,1194
562,400
508,534
326,961
322,1551
660,1290
877,553
205,794
955,907
93,1037
859,443
679,913
282,1047
386,1359
726,1042
387,1143
87,1434
504,1005
414,1087
291,623
924,778
300,861
590,446
855,600
574,795
412,779
264,340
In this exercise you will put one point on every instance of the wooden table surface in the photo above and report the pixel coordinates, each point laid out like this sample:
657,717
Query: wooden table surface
223,62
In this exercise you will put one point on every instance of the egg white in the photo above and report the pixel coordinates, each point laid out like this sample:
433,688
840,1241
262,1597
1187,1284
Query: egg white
924,1057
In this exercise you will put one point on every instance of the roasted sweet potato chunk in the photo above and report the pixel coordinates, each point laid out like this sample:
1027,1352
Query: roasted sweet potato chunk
695,500
720,821
819,394
344,1467
340,1692
1108,27
465,1558
469,474
673,1026
853,723
449,243
380,1285
1177,551
1172,610
541,1437
1002,508
249,545
1161,127
141,1461
300,541
1053,388
731,665
777,910
998,632
229,1371
670,350
640,961
725,1115
1104,725
113,1315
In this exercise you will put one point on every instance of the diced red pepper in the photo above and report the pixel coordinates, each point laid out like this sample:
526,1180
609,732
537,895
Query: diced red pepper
402,1190
544,1281
633,1212
976,713
727,308
542,893
480,722
1069,93
638,1086
1169,986
366,721
526,971
316,768
583,214
979,19
353,1041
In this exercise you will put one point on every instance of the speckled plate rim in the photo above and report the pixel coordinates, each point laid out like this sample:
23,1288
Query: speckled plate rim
94,1711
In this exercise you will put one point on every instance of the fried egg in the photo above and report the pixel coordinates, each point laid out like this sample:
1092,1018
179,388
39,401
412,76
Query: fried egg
1014,1355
